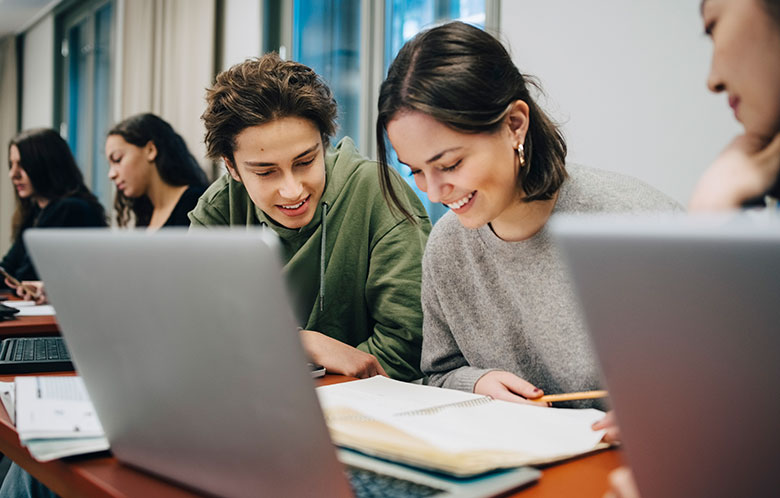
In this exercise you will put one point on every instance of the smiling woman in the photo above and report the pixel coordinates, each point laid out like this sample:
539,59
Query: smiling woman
500,317
354,266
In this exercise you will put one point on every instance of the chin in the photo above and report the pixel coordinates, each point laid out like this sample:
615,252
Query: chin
471,222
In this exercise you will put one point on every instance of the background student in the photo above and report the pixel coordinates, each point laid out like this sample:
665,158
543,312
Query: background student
354,266
50,192
158,181
499,315
745,65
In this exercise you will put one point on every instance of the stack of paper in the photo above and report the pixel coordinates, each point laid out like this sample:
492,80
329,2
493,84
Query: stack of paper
452,431
55,418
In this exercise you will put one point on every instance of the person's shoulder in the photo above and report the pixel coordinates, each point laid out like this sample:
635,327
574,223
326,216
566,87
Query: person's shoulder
75,205
447,238
72,211
590,189
189,198
218,190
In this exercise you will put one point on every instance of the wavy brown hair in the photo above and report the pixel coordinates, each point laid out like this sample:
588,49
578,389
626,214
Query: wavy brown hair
258,91
464,78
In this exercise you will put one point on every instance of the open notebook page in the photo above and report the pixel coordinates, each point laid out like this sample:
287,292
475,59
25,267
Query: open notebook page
541,433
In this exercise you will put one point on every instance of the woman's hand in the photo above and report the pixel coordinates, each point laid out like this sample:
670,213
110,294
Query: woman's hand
747,168
32,290
622,484
338,357
29,290
608,423
508,387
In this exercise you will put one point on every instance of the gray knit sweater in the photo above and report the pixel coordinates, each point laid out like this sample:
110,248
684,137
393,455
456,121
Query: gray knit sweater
495,305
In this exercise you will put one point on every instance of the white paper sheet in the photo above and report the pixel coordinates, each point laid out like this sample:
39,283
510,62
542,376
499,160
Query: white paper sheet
29,308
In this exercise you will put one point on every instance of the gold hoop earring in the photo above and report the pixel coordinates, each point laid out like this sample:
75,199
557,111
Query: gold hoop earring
521,154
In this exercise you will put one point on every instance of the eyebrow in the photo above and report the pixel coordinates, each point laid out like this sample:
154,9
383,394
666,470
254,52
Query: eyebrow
302,154
438,156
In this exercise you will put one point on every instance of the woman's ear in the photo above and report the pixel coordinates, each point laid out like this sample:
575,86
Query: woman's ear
151,151
232,169
517,119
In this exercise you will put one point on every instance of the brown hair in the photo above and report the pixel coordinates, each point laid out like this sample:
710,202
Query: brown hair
46,158
465,78
261,90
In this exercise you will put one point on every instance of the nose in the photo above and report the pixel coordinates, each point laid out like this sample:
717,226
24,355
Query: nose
436,188
714,81
291,188
13,172
112,173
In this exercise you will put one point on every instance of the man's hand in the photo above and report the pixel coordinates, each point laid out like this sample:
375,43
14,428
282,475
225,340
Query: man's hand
338,357
508,387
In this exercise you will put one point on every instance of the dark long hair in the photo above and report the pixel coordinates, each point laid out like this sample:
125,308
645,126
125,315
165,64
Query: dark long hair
52,170
174,162
465,78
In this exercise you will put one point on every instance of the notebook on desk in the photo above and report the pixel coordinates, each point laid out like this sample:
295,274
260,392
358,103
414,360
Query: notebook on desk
685,317
188,348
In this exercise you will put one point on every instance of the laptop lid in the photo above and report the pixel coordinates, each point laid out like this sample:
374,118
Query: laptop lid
188,348
684,315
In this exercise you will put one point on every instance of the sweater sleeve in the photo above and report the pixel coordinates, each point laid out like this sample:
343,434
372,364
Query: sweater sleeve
393,298
442,359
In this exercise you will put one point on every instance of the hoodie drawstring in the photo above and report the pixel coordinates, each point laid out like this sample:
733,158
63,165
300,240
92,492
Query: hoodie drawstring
322,257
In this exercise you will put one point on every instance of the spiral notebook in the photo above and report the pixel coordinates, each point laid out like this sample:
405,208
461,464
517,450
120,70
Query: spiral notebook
454,432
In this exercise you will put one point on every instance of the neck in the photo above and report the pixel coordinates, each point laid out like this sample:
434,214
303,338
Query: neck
523,220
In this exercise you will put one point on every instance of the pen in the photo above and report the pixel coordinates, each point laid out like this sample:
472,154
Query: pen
554,398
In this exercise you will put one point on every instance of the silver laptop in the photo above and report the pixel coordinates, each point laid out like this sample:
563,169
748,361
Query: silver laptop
685,316
188,348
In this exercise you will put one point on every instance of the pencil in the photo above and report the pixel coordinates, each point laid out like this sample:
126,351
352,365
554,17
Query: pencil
554,398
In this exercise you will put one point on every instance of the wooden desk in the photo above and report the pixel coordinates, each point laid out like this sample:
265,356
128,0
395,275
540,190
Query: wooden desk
104,476
29,325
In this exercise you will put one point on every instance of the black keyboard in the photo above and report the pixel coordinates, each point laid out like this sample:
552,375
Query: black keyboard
34,354
369,484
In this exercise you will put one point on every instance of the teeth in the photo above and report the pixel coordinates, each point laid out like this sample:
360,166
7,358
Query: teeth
460,203
294,206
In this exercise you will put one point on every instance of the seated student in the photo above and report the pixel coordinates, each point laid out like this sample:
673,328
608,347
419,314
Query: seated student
157,179
745,63
500,317
354,266
50,192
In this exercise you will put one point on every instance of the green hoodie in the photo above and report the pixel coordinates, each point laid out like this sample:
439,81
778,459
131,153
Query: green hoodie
370,294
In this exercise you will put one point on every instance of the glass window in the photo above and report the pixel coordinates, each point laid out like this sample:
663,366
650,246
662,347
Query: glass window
85,95
326,37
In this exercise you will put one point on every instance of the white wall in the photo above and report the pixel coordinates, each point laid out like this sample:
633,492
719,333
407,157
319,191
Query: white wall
38,75
627,79
241,31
